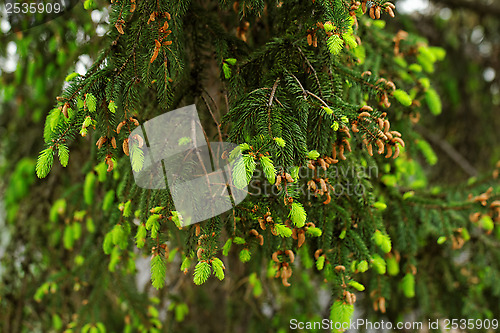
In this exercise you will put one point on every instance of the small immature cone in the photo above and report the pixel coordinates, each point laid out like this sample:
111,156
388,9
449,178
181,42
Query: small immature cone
100,142
391,85
380,122
262,224
387,103
396,152
339,268
380,146
386,126
372,12
377,12
322,163
381,304
323,185
119,127
396,133
152,17
165,26
399,140
140,141
328,199
125,147
348,297
375,305
155,54
110,164
369,148
113,142
275,256
65,109
285,282
474,217
347,145
301,238
389,150
199,253
364,114
119,27
341,152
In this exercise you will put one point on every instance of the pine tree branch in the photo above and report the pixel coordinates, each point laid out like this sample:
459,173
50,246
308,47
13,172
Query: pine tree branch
269,105
313,70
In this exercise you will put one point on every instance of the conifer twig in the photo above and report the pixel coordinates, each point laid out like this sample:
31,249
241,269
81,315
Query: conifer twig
312,68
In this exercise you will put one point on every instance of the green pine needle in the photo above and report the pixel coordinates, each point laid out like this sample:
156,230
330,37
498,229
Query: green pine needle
44,162
408,285
433,101
158,271
202,272
341,314
402,97
298,214
91,102
282,230
63,155
335,44
268,167
140,237
136,157
218,267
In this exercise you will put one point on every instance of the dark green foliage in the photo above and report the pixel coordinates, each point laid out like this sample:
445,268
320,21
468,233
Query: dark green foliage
314,111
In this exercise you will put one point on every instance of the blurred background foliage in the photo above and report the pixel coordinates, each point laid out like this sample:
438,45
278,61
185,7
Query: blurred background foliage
34,64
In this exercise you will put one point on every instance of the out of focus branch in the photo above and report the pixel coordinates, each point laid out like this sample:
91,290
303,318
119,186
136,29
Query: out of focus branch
449,150
474,6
